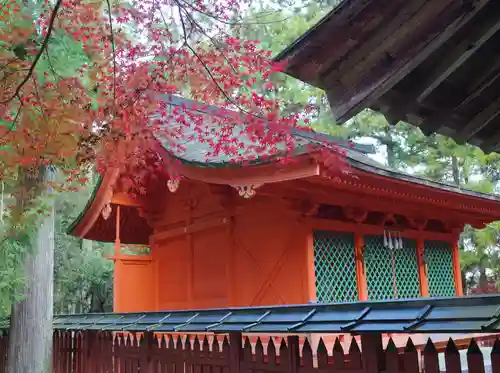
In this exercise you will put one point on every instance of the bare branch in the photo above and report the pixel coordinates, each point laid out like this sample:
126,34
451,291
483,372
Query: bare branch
218,19
16,118
114,52
209,72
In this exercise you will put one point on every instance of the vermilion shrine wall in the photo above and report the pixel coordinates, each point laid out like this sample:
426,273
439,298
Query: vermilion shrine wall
212,250
256,256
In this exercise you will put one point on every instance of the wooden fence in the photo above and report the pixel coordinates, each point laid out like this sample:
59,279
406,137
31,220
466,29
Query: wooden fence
104,352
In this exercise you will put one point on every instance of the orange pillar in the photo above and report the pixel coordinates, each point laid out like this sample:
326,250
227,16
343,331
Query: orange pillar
310,269
156,277
359,244
422,271
457,273
190,269
231,277
118,270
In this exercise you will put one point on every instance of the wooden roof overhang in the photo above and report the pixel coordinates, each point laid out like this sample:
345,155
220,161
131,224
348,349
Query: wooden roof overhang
368,186
92,225
434,64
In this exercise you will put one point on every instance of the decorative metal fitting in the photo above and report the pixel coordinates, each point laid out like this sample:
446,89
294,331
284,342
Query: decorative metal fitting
173,185
247,191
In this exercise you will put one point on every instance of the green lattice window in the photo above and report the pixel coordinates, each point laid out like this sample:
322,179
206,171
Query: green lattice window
391,274
335,267
438,259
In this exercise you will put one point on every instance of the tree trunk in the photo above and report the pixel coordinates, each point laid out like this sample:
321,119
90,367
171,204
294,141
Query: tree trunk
464,282
483,279
455,170
391,154
30,336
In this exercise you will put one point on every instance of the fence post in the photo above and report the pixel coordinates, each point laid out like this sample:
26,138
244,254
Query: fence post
372,353
90,353
235,352
146,349
293,353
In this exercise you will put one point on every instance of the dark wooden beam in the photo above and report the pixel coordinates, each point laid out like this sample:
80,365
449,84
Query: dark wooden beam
372,34
300,51
479,121
403,43
450,20
482,82
452,60
449,118
492,144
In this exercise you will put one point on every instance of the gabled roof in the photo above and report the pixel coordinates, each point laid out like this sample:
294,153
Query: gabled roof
193,153
425,315
247,144
434,64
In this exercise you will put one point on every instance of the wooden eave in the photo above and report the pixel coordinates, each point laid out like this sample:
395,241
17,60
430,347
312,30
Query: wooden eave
434,64
379,192
92,225
367,183
101,195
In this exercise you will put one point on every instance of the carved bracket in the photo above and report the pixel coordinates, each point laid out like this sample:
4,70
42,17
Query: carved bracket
356,214
454,227
106,211
304,207
417,223
173,185
389,219
247,191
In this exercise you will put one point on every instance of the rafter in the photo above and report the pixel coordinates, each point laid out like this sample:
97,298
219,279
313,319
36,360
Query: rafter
442,119
479,121
492,144
371,37
403,65
455,58
482,82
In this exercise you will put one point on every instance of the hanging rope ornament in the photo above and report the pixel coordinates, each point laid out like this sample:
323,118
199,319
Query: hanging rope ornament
393,240
106,211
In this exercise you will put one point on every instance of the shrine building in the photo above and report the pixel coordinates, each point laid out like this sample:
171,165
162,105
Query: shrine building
263,232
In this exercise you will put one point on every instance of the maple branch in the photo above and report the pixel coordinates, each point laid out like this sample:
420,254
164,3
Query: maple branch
39,54
51,66
141,91
16,118
212,40
114,52
42,111
8,63
218,19
207,69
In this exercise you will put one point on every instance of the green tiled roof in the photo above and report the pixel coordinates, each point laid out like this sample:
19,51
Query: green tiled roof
236,140
477,314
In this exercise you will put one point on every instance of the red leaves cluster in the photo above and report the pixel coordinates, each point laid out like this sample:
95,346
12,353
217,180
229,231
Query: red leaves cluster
107,110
